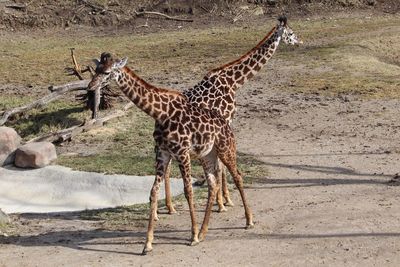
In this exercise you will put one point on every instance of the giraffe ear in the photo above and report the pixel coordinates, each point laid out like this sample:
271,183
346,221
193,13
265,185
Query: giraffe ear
96,62
120,63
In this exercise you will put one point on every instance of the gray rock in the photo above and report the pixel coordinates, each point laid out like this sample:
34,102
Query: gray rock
4,219
35,155
9,142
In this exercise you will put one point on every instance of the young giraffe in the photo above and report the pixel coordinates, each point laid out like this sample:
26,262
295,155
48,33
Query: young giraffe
217,90
186,132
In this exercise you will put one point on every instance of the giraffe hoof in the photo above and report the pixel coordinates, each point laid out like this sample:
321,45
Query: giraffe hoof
194,243
172,211
229,203
156,218
147,250
250,225
222,209
201,237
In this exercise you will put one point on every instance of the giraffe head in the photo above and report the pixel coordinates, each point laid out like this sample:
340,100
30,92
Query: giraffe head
288,37
106,69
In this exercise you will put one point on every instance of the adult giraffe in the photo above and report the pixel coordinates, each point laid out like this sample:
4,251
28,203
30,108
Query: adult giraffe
186,131
217,90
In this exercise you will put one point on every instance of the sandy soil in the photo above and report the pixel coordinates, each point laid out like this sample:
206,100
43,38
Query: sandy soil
328,198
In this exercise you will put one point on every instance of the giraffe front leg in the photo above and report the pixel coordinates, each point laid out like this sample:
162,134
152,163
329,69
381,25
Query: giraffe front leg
212,190
184,166
153,207
162,161
168,197
228,158
212,169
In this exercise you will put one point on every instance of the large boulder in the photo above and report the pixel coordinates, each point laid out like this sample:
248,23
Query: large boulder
35,155
9,142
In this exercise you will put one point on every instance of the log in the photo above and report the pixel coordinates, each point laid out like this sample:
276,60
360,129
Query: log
67,134
72,86
56,92
162,15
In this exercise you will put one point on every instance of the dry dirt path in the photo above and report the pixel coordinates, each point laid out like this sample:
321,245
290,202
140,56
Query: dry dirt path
325,201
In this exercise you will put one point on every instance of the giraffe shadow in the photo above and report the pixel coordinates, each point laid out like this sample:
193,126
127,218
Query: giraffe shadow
350,176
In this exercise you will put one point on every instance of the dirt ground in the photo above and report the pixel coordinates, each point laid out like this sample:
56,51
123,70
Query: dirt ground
329,198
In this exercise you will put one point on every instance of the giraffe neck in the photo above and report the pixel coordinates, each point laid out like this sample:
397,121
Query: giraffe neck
239,71
152,100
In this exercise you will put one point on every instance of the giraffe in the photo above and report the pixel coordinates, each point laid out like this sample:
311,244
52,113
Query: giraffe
186,131
217,90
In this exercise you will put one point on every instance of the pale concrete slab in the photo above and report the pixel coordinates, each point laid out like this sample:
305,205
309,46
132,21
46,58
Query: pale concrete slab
57,189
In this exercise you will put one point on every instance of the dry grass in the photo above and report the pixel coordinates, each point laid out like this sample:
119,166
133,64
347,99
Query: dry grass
340,56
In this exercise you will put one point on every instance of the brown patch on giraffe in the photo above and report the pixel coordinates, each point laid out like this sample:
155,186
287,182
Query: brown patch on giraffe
164,106
229,81
246,70
238,74
241,80
157,105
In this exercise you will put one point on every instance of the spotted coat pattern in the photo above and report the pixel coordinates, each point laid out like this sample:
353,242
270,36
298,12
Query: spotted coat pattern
217,90
185,131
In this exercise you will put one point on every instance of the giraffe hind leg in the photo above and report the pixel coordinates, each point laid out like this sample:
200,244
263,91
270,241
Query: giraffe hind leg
204,164
168,197
225,190
228,158
185,168
212,170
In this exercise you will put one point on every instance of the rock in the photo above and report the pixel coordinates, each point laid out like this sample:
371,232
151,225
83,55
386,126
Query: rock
35,155
4,219
9,142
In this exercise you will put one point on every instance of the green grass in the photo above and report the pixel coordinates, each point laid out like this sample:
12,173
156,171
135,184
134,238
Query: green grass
340,56
56,115
128,148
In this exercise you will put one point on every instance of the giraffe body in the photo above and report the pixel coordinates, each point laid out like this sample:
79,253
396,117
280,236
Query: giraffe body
217,90
184,131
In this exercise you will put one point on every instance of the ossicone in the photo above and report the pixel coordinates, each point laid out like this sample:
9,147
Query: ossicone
282,20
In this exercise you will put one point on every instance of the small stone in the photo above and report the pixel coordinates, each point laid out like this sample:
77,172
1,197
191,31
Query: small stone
9,142
35,155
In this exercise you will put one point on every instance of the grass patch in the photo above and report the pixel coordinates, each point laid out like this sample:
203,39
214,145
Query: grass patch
138,214
56,115
123,215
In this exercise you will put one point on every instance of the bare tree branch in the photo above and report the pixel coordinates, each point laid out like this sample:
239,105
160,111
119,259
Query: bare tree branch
162,15
56,92
67,134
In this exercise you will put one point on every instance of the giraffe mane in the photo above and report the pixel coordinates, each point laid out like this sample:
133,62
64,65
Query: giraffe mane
239,59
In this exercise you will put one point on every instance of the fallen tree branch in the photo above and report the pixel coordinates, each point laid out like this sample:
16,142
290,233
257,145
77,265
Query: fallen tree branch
67,134
162,15
56,92
72,86
21,7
